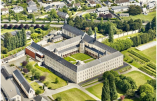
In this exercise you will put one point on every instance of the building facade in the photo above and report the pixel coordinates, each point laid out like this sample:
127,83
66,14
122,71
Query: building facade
106,58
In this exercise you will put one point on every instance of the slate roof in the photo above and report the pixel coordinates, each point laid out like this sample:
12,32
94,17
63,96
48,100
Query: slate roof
32,8
121,1
14,32
56,37
48,7
54,56
30,3
102,9
98,61
73,29
18,8
5,73
61,14
119,7
70,48
22,80
41,98
9,87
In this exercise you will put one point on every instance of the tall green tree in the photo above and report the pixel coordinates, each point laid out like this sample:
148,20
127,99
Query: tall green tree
33,18
17,17
9,18
153,23
111,33
105,96
148,26
90,31
24,36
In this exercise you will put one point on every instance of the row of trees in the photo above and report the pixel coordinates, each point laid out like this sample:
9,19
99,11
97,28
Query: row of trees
143,38
129,25
134,10
12,42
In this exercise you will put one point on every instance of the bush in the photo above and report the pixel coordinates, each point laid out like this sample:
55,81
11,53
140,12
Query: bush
42,78
37,92
49,87
147,71
38,30
40,87
32,78
152,66
46,83
12,65
24,63
58,99
25,70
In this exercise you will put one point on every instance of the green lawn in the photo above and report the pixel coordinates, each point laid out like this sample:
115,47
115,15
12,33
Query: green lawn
148,17
97,90
73,95
36,86
81,56
6,30
151,53
139,77
50,77
124,37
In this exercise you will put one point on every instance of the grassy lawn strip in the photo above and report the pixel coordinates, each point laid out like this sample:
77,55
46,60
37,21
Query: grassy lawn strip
124,37
151,53
73,95
69,59
148,17
89,83
138,77
124,69
97,90
36,86
50,77
81,56
89,60
3,31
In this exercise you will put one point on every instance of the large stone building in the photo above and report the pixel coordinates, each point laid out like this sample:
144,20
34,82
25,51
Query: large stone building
106,58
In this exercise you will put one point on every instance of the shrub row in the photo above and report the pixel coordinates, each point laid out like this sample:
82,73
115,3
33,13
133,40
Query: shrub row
151,66
138,55
42,68
137,59
152,70
147,71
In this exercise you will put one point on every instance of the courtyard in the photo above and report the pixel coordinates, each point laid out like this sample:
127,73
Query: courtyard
79,57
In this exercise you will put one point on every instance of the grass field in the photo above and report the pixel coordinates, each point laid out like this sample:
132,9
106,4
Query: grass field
124,37
6,30
81,56
139,77
148,17
36,86
151,53
50,77
97,90
73,95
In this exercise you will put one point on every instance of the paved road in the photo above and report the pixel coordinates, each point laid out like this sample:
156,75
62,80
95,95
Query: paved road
52,25
85,12
69,86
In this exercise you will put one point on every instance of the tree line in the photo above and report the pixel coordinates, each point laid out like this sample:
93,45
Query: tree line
12,42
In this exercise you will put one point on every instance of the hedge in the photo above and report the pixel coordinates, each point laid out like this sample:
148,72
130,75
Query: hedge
152,66
138,55
147,71
137,59
42,68
152,70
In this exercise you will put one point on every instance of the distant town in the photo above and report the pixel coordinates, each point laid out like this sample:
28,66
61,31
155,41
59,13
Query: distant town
78,50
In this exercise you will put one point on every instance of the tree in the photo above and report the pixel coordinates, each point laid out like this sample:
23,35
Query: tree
25,18
33,71
87,16
37,75
152,82
122,97
42,78
110,33
29,66
143,29
71,23
147,88
34,35
37,92
127,27
84,7
25,70
92,19
58,20
98,5
32,29
90,31
1,18
130,93
17,18
24,37
33,18
5,26
105,96
134,10
153,23
24,63
21,26
9,18
58,99
26,26
148,97
56,80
